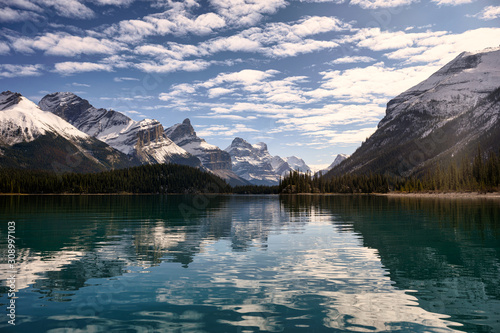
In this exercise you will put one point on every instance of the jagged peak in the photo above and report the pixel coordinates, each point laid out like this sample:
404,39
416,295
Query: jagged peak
9,98
179,132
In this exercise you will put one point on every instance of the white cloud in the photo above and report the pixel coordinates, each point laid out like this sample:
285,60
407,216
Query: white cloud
228,131
121,79
488,13
236,43
63,44
246,12
217,92
442,48
372,82
69,8
4,48
8,14
114,2
374,4
71,67
452,2
173,65
76,84
292,49
351,60
9,70
176,21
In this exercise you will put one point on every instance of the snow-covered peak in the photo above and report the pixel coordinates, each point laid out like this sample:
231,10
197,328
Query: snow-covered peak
211,156
8,98
21,120
456,87
297,164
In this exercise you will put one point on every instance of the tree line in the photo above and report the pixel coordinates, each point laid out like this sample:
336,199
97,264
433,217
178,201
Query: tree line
482,173
155,178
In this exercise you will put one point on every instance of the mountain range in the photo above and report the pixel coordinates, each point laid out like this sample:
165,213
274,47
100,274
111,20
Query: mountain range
79,137
442,119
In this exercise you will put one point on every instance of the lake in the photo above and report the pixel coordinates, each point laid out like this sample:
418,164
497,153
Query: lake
251,264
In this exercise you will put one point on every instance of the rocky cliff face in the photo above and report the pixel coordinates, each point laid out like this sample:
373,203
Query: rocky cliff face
252,162
441,119
144,140
212,157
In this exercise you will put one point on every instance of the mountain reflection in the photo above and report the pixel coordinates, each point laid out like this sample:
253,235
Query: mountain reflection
86,237
355,263
446,250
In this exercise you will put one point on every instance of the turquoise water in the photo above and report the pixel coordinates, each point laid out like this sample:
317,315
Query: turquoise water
252,264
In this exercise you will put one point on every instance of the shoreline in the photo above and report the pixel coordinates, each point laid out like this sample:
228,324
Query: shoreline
450,195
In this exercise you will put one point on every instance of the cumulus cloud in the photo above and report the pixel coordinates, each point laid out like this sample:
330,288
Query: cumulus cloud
69,8
4,48
63,44
351,60
246,12
10,70
227,131
488,13
452,2
114,2
71,67
173,21
8,14
173,65
374,4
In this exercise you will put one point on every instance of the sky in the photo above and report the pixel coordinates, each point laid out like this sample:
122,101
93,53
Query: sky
310,78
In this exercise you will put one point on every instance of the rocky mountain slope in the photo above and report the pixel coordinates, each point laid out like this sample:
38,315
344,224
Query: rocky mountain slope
255,164
34,139
212,157
142,140
442,119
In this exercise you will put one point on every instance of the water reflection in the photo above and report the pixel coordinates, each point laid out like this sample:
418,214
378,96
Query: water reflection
254,263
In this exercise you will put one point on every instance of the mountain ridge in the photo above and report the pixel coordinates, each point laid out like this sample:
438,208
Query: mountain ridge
442,119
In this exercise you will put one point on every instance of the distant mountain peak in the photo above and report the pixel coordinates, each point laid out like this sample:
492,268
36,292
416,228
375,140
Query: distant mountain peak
8,99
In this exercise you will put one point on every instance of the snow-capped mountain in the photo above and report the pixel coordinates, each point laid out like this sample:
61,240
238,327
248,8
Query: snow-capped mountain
444,118
338,159
280,166
212,157
255,164
144,140
252,162
297,164
29,135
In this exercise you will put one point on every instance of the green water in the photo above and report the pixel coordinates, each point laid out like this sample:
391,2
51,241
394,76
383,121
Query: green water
252,264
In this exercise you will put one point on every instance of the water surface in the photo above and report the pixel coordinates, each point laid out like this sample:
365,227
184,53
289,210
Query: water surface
252,264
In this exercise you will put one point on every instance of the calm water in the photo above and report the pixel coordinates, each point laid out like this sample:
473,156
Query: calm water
252,264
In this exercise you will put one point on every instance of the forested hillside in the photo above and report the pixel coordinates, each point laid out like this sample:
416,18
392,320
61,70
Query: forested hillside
155,178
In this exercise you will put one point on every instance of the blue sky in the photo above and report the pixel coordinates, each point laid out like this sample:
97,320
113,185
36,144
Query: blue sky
310,78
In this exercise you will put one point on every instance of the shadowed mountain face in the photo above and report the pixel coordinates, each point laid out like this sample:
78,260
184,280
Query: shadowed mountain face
143,140
444,118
